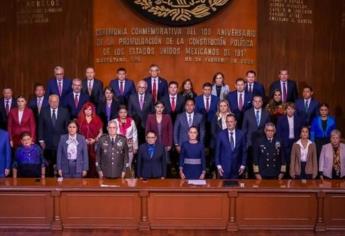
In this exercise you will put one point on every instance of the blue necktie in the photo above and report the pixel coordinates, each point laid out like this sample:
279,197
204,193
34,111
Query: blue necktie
232,143
257,116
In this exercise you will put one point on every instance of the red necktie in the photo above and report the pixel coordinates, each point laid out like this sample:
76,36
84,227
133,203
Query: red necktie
154,90
284,92
90,87
240,102
76,100
173,104
207,104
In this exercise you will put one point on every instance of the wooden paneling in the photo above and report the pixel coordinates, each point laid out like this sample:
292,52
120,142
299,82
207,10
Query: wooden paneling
313,53
188,210
26,209
100,210
335,211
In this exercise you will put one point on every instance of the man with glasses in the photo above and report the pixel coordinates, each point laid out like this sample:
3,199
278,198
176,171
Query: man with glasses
112,153
269,160
59,84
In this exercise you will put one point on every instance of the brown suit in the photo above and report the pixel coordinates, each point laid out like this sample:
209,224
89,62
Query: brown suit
295,164
112,159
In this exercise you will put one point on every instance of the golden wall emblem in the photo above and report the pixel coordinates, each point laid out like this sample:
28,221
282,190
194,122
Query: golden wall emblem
178,12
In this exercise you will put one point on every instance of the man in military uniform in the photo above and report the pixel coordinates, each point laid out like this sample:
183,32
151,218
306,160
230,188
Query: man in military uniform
269,161
112,154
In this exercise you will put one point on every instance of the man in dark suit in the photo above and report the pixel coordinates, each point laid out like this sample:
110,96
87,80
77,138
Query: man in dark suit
254,121
39,101
139,106
307,107
287,87
253,86
92,86
75,100
289,130
239,100
231,150
186,120
122,86
151,159
173,101
156,85
6,103
59,84
52,124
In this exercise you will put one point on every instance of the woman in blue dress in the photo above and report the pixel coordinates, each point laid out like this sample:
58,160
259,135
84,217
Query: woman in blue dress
192,157
29,160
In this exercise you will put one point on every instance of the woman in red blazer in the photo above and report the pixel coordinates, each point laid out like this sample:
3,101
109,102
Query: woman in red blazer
21,119
160,124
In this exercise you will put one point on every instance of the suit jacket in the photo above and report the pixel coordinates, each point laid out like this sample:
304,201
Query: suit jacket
102,112
223,91
15,129
5,152
231,160
250,127
162,87
326,160
310,114
3,115
283,128
166,128
45,124
258,89
129,89
311,167
154,167
34,108
292,92
179,107
68,102
52,87
233,102
136,113
181,128
200,107
96,92
82,155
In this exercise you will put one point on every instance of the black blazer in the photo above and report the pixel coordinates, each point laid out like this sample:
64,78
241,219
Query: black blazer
136,113
102,113
96,93
154,167
179,105
47,132
3,115
250,127
292,92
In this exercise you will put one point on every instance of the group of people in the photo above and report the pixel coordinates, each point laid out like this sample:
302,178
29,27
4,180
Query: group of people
152,129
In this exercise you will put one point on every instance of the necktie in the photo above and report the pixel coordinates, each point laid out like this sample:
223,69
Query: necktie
284,92
154,90
190,122
231,138
141,101
112,141
251,88
54,117
108,111
39,105
173,104
60,87
207,104
122,87
89,88
7,107
240,102
306,105
257,117
76,101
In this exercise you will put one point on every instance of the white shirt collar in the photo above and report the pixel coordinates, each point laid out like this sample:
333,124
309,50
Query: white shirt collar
299,142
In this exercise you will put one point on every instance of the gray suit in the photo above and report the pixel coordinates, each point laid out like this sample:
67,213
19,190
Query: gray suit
250,127
81,163
112,159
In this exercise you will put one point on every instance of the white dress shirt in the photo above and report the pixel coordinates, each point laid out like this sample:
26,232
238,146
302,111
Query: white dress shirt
291,127
20,116
304,151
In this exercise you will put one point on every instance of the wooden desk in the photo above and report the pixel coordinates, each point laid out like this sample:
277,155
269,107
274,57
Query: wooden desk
171,204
